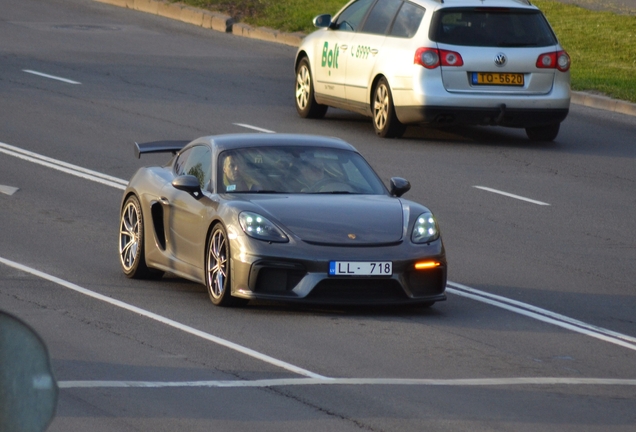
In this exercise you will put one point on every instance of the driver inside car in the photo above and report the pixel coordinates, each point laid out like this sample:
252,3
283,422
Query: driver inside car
235,178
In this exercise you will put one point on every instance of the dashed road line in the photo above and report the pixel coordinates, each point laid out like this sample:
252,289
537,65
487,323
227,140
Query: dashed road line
8,190
53,77
511,195
254,128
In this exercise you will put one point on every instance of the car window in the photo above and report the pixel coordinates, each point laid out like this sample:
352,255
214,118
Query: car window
296,170
196,161
351,17
180,162
381,16
407,21
501,27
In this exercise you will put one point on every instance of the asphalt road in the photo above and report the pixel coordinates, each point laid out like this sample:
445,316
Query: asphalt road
137,77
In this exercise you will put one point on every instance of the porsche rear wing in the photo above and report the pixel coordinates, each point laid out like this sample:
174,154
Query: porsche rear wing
159,147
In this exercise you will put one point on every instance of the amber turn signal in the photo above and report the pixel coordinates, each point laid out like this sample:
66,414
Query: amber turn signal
425,265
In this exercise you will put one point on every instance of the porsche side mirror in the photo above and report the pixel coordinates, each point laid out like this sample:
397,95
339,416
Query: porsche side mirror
189,184
28,390
399,186
322,21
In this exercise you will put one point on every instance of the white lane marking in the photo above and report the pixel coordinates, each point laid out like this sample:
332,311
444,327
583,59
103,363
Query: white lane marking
8,190
68,81
217,340
598,333
511,195
254,128
542,312
461,290
352,381
63,166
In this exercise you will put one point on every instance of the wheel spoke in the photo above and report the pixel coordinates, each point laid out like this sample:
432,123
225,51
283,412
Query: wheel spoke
217,265
381,107
129,236
302,87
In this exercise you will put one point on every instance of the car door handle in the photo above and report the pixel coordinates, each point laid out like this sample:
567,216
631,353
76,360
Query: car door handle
374,51
344,47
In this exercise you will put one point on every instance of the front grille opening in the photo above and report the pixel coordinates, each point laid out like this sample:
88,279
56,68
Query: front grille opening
358,291
427,283
277,281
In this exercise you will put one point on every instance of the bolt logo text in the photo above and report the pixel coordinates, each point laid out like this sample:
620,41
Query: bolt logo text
330,57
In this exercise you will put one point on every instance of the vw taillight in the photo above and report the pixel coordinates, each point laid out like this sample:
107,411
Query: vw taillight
431,58
554,60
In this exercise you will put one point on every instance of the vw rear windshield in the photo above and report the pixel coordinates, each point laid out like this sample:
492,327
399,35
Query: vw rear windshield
491,27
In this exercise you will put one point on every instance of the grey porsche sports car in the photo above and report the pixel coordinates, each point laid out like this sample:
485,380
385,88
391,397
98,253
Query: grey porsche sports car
279,217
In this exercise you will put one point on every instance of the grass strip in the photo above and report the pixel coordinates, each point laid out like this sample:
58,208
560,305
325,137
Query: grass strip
602,46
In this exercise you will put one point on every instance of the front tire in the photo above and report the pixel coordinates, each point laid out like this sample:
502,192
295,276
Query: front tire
543,133
217,266
131,242
385,122
306,104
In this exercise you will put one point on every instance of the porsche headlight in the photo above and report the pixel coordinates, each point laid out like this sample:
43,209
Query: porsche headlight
425,229
259,227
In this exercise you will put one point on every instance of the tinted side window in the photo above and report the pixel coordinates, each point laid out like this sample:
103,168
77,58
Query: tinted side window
196,161
181,160
381,16
407,21
351,17
493,28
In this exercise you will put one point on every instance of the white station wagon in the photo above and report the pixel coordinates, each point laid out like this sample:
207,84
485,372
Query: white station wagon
436,62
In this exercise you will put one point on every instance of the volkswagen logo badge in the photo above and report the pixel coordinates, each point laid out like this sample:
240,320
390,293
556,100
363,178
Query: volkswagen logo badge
500,59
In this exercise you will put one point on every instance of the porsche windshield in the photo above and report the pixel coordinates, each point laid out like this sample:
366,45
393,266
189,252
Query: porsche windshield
296,170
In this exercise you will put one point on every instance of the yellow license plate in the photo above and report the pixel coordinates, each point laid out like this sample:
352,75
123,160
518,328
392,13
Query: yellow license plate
497,78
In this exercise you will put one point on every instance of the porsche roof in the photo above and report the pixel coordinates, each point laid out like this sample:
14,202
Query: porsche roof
233,141
223,142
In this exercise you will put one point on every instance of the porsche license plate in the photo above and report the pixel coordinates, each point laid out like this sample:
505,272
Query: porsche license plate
360,268
497,78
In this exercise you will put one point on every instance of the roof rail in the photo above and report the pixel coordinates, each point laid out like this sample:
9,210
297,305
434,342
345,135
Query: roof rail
526,2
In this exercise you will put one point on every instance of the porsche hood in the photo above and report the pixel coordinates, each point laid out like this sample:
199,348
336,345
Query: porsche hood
342,220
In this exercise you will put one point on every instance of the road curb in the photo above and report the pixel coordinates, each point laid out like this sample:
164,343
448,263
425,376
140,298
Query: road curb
603,103
224,23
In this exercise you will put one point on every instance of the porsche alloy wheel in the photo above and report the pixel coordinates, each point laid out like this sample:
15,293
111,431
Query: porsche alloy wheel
385,122
217,278
306,104
131,242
